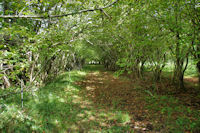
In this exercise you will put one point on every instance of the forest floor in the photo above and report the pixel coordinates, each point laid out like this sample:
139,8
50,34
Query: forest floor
94,100
141,109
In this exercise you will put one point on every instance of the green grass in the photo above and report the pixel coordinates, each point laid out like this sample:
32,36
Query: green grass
48,110
176,117
93,68
59,107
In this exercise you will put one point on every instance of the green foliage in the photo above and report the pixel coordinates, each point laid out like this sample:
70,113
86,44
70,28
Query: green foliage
47,110
15,46
13,119
129,37
178,118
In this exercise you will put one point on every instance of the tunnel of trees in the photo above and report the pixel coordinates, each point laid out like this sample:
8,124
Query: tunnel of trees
41,39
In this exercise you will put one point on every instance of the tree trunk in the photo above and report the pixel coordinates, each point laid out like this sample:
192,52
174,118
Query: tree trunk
181,81
179,74
6,82
198,63
198,68
157,73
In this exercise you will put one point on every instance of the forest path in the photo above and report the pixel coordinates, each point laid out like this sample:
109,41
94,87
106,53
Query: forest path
118,95
93,100
121,104
89,101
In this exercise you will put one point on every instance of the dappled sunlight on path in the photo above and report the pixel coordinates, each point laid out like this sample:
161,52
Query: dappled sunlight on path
62,106
110,94
95,101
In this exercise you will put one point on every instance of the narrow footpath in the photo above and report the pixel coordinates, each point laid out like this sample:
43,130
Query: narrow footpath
118,96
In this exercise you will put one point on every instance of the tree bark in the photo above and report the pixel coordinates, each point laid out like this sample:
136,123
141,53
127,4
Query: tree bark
7,83
179,73
198,64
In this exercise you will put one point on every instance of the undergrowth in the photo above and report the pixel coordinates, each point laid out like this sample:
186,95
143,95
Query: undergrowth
59,107
48,110
175,117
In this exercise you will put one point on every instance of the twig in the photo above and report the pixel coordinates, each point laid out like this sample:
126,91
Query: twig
56,16
105,13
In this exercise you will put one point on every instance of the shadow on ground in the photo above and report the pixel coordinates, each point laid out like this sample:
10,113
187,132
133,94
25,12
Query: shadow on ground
93,100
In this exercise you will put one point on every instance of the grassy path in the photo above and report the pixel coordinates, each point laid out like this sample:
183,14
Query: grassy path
65,105
92,101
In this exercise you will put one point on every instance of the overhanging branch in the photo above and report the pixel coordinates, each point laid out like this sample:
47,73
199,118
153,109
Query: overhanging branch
56,16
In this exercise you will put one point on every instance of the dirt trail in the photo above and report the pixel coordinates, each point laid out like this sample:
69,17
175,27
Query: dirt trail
105,90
